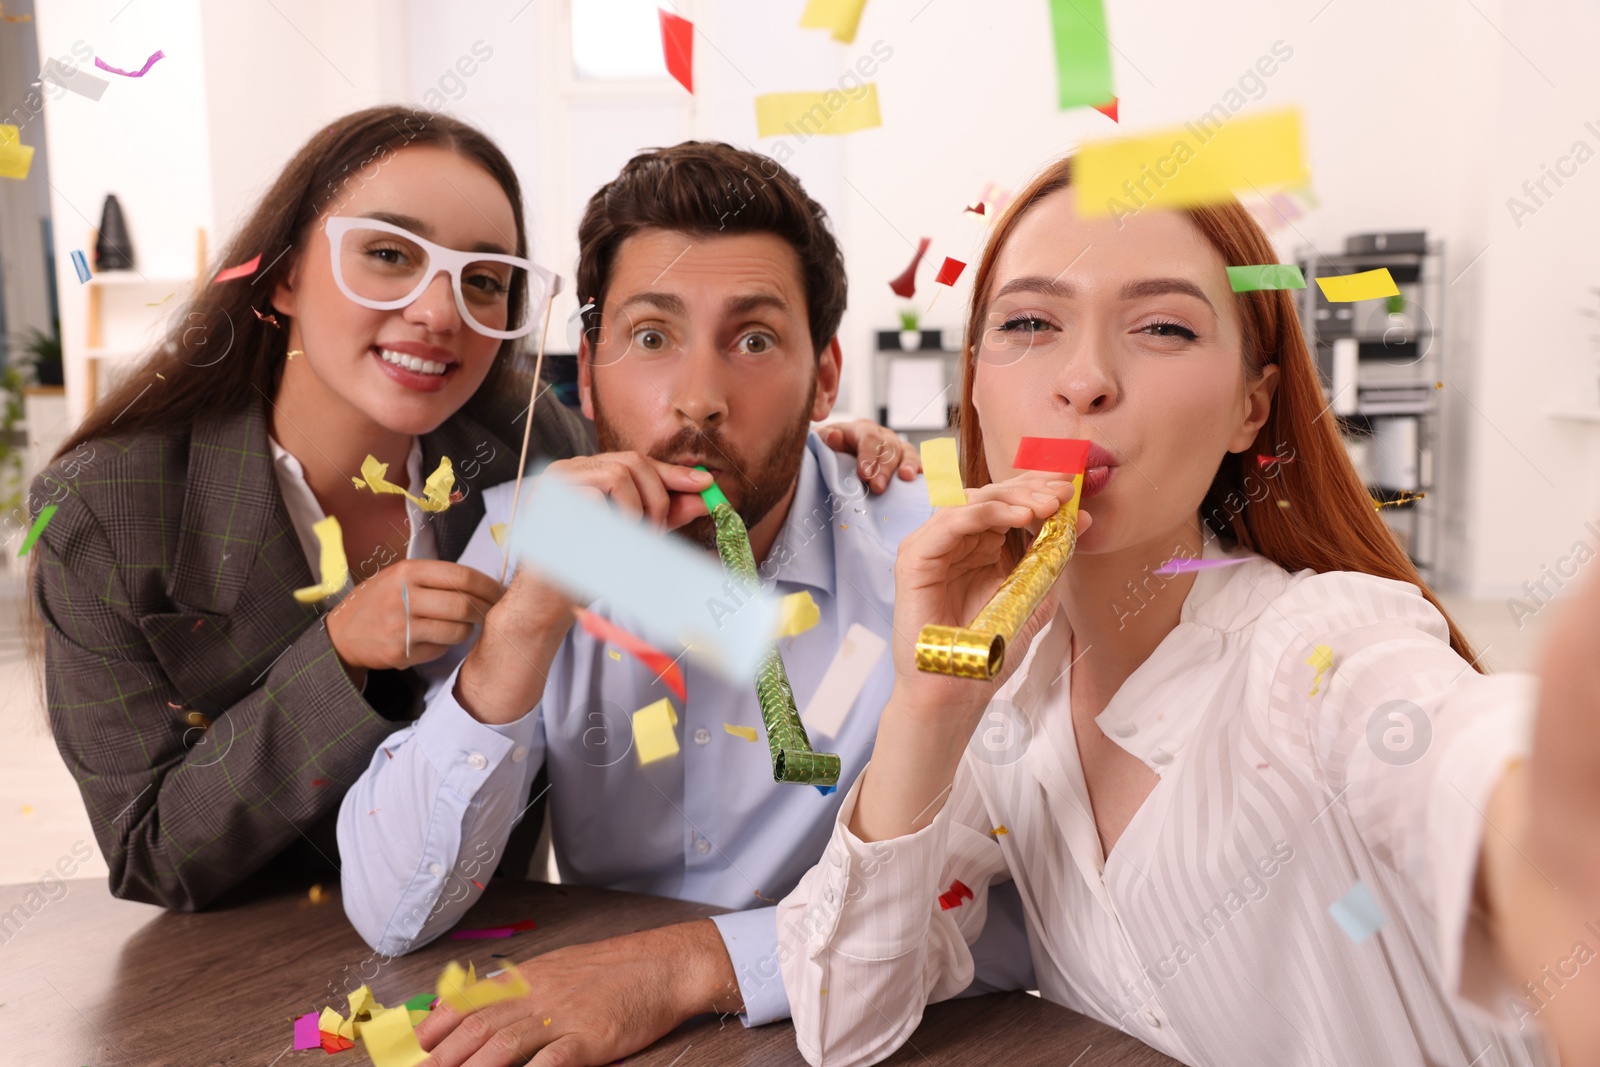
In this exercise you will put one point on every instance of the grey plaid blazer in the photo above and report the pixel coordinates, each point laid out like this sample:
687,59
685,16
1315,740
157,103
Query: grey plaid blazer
164,583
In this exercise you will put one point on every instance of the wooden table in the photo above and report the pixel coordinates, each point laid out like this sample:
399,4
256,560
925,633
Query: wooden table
87,979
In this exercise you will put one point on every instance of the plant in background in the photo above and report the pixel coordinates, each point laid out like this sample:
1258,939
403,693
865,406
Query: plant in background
1397,304
13,380
910,331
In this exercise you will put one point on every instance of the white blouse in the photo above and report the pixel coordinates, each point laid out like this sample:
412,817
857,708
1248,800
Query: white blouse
1207,932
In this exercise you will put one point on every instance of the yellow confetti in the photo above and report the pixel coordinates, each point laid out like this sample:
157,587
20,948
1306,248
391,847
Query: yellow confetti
435,490
614,654
941,464
840,16
652,731
391,1041
498,532
1368,285
1001,830
1283,503
329,1021
746,732
335,568
1190,164
27,809
296,352
163,300
163,377
1320,660
832,112
14,18
317,895
15,157
547,1020
797,613
464,992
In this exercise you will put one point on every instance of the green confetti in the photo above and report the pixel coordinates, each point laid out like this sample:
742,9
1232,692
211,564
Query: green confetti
1083,53
1265,276
45,514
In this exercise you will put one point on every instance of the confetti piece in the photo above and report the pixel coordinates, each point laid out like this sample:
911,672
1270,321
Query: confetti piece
1283,503
808,114
652,731
1183,565
335,568
197,624
677,47
1000,830
840,16
294,352
243,270
746,732
1260,276
976,209
675,591
949,271
27,809
465,993
1368,285
14,18
334,1043
329,1021
81,265
306,1034
942,469
1405,497
497,531
319,781
78,81
1320,660
1083,53
421,1002
614,654
487,933
1190,165
797,613
390,1040
843,681
163,300
1358,913
1109,110
316,895
141,72
46,513
665,668
905,285
16,158
435,490
953,897
1064,455
1264,460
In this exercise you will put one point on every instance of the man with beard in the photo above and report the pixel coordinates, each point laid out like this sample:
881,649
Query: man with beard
717,290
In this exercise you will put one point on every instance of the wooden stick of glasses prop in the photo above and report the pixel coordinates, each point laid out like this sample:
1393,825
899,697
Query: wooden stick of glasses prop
527,429
979,650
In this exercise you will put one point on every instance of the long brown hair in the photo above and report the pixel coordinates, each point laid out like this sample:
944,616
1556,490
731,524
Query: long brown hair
220,355
1330,524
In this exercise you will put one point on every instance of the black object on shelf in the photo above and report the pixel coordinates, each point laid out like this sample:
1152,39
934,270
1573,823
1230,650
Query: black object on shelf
1414,242
113,250
929,341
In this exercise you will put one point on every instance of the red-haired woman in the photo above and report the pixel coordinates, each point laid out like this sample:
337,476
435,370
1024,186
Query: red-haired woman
1246,807
212,723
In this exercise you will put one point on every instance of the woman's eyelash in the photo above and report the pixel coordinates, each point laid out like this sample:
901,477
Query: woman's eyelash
1017,323
1178,328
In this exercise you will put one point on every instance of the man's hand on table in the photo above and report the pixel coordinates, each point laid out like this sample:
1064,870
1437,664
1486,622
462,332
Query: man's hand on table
592,1004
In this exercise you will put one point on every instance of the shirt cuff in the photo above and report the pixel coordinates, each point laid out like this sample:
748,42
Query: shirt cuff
751,938
469,755
1468,773
895,880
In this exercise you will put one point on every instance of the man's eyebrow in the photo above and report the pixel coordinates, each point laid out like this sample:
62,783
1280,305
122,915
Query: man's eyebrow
422,229
1165,287
743,305
671,303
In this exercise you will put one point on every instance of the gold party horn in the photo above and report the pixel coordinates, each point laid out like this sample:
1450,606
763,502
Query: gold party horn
979,650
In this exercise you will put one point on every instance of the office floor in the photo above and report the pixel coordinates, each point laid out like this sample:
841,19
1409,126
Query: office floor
41,816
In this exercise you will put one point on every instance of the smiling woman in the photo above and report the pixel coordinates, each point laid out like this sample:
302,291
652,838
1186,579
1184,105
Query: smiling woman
383,324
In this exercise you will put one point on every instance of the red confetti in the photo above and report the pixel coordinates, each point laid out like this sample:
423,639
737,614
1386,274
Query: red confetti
243,270
334,1043
905,285
477,883
665,667
196,625
953,897
1264,460
949,271
1062,454
677,45
386,752
1109,110
319,781
524,924
977,209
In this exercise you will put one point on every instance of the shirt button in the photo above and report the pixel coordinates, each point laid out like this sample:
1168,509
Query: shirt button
477,761
519,753
435,869
1124,729
702,736
1161,757
702,846
828,895
1152,1018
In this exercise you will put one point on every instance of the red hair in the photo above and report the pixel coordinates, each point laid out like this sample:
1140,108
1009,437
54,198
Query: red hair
1330,524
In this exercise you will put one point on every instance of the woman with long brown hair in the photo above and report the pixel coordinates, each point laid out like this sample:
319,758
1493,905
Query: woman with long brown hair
1244,804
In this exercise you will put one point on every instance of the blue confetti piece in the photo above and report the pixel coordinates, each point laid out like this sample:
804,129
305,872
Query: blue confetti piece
826,789
1358,913
81,265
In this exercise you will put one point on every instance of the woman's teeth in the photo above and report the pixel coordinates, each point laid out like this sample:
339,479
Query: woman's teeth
412,363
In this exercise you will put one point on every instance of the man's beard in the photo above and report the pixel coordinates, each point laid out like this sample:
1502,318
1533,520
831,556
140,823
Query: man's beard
762,484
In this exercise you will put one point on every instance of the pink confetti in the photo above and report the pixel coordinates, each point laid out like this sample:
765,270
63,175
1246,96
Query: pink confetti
1180,565
243,270
305,1032
141,72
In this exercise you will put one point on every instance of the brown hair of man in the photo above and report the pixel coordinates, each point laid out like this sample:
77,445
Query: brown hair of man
710,188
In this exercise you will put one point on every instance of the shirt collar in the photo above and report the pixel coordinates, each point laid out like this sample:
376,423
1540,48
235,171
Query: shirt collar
803,553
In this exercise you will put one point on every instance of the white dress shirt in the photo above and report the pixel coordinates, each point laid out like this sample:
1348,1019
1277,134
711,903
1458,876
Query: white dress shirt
421,828
1206,933
305,511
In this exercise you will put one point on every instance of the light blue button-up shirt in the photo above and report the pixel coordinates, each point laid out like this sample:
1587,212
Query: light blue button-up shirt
437,803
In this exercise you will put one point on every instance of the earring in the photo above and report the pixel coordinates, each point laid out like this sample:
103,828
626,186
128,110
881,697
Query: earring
270,319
